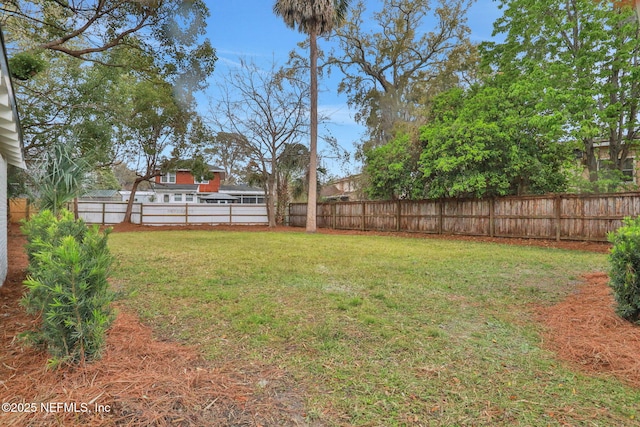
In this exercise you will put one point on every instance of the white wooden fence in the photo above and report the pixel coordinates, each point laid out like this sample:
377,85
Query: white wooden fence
109,213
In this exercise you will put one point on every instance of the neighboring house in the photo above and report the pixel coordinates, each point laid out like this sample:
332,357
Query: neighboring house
11,149
630,167
342,190
141,196
244,194
180,186
102,196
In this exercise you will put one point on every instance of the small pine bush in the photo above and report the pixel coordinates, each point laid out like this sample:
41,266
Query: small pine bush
67,286
44,232
624,272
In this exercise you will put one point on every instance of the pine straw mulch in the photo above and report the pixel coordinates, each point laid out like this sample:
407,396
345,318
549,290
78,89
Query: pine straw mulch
142,381
584,330
146,382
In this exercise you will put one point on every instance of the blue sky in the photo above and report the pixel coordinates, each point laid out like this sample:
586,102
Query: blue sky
249,29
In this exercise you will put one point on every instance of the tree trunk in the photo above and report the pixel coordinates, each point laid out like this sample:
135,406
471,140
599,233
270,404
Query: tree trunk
271,200
283,200
591,161
127,214
313,144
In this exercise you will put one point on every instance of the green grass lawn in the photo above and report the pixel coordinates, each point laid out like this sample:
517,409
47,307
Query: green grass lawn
377,331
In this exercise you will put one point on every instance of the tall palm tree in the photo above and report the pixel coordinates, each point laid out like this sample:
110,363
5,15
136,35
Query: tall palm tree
315,18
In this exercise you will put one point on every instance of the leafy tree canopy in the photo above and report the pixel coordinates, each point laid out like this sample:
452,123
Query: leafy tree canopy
393,70
391,170
582,56
78,56
86,29
488,141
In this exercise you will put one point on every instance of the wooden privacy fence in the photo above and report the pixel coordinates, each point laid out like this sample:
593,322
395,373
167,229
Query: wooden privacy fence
108,213
559,217
20,209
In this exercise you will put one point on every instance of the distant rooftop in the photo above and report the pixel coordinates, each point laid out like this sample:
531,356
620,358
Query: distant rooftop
175,187
240,188
185,165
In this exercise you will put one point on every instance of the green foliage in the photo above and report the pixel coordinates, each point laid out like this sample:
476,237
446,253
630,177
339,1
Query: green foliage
608,181
486,141
391,170
25,65
582,57
46,229
88,51
60,177
104,179
67,285
392,66
624,272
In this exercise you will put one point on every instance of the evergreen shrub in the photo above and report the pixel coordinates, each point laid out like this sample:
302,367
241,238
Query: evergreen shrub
67,286
624,269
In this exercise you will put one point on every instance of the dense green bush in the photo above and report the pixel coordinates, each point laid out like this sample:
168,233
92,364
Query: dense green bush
67,285
624,262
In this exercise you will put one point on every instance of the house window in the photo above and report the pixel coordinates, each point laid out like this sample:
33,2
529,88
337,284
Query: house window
166,198
188,198
628,169
177,197
204,181
168,178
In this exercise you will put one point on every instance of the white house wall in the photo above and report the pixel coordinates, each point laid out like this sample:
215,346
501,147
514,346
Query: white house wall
4,261
10,138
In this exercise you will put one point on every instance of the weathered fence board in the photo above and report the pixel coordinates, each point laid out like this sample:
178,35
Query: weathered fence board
20,209
560,217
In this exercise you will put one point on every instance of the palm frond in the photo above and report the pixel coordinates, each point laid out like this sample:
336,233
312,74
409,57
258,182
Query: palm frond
321,16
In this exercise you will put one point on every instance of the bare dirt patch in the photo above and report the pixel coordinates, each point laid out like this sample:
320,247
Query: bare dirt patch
144,381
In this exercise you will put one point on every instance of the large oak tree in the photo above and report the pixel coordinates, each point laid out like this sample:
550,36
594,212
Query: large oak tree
397,58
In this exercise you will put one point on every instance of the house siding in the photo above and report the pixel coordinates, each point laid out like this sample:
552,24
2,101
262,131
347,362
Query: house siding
185,177
602,153
4,262
11,149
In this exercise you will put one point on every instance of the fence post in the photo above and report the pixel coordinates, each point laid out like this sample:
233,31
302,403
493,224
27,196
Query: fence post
364,207
440,215
398,214
333,216
104,214
492,217
558,207
141,213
